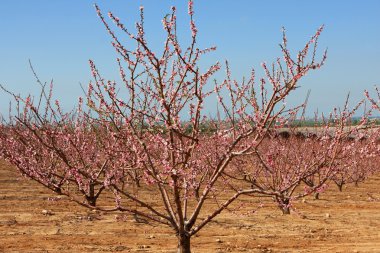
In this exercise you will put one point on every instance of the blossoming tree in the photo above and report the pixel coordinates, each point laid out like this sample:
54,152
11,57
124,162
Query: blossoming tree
155,136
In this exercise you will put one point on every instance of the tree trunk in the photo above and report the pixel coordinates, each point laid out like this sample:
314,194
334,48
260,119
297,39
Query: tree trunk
340,186
136,179
91,197
184,243
91,200
316,195
137,182
283,204
285,210
196,193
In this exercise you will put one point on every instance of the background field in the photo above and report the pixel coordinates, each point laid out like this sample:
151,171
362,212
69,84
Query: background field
347,221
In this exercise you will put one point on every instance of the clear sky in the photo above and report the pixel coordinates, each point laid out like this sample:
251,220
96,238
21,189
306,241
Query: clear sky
60,36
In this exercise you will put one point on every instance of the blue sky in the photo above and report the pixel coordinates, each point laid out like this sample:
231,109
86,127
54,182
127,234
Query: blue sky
60,36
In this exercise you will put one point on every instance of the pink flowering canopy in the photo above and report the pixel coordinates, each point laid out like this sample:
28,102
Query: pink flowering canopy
149,135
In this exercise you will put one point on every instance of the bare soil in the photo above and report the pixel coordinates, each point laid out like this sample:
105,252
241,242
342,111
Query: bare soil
30,221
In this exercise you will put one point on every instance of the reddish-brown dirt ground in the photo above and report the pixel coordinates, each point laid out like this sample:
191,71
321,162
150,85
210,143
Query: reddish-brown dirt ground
347,221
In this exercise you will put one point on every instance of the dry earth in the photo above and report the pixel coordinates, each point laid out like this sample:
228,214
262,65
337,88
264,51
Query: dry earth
347,221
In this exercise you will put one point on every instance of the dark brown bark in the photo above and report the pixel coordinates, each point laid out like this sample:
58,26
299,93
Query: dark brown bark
91,197
184,243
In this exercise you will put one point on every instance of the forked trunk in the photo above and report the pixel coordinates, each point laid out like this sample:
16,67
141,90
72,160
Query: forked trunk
183,243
